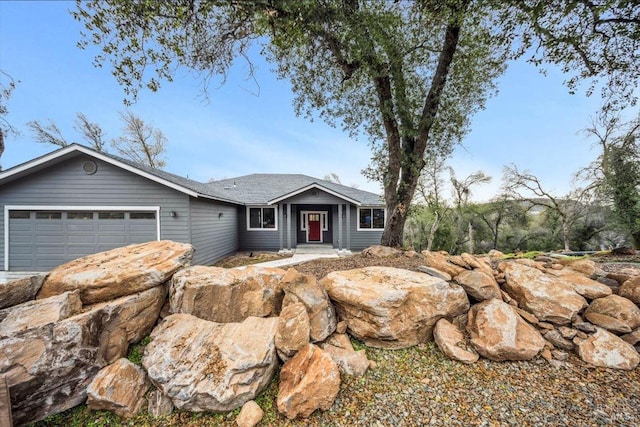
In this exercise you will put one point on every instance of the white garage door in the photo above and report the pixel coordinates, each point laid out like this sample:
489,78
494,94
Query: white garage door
40,240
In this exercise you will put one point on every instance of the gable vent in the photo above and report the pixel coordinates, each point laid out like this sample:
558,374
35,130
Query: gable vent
314,193
89,167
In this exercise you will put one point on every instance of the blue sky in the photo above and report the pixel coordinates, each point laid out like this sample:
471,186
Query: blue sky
533,122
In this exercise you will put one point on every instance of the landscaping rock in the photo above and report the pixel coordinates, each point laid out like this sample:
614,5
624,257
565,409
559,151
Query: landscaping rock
293,330
582,285
159,404
499,333
124,271
226,295
478,285
119,388
309,381
441,262
48,367
546,297
555,337
304,288
350,361
16,292
33,314
392,308
617,307
608,322
250,415
207,366
451,342
380,251
435,273
630,289
609,351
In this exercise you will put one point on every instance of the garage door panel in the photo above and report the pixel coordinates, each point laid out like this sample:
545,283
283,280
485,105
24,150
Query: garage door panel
42,243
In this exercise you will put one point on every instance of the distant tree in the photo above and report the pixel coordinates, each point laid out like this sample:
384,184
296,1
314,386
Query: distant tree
429,191
332,177
7,86
91,132
616,171
140,142
568,209
47,134
461,191
500,213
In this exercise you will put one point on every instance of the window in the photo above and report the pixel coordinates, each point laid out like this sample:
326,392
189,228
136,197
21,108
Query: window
370,218
110,215
79,215
261,219
19,214
48,215
142,215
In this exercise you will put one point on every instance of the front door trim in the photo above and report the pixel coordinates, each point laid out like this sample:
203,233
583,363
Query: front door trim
324,224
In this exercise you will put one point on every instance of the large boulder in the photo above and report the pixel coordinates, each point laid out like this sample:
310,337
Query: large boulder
478,284
119,388
226,295
630,289
123,271
584,286
293,330
308,381
609,351
350,361
49,366
393,308
303,288
451,342
17,291
499,333
207,366
36,313
379,251
617,307
441,262
548,298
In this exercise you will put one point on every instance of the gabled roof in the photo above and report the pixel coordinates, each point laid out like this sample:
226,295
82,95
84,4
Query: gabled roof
254,189
266,189
184,185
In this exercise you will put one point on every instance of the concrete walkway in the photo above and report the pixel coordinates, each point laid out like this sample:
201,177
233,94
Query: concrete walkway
305,253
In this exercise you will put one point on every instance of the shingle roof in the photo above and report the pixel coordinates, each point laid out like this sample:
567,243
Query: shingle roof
255,189
260,189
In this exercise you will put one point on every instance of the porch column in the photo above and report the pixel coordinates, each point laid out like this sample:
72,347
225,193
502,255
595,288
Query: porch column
281,222
348,214
289,226
340,227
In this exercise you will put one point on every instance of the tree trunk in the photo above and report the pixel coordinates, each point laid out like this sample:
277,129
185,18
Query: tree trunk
432,231
565,236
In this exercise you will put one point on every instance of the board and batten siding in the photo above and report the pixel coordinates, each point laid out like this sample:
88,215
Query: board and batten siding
214,232
258,240
66,184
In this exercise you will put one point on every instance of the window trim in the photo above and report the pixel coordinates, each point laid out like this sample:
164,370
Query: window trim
262,208
371,208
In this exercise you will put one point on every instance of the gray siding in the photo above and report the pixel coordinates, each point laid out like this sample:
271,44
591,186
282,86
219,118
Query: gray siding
314,197
67,184
264,240
213,230
361,239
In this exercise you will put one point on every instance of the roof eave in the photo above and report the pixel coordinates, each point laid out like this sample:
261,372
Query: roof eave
309,187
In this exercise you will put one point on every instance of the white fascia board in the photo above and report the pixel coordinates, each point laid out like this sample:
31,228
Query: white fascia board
309,187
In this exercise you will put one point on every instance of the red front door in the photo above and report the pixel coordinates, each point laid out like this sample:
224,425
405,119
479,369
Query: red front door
314,227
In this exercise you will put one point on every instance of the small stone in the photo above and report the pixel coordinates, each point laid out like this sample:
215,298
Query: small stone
435,273
566,332
546,354
250,414
560,355
119,387
545,325
585,327
341,327
556,338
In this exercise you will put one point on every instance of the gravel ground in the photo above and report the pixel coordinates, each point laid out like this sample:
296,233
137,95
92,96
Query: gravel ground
419,386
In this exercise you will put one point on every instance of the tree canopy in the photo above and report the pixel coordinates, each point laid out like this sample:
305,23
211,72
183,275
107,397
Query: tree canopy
409,75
